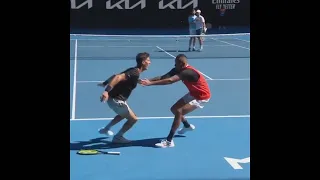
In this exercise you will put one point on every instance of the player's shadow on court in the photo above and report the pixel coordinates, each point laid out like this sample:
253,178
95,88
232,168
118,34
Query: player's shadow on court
103,143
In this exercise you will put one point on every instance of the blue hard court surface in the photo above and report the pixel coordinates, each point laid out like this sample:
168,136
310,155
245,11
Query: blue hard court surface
222,126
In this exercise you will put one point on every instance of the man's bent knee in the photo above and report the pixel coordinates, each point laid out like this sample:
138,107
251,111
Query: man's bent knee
132,117
173,110
177,111
178,105
132,121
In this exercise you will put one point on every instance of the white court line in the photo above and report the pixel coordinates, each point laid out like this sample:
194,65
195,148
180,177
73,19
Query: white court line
221,45
231,44
175,57
100,39
128,46
152,36
150,118
90,46
242,39
114,46
240,79
74,81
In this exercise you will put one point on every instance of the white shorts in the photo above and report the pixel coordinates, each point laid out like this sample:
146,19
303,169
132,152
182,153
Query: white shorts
192,101
192,32
118,106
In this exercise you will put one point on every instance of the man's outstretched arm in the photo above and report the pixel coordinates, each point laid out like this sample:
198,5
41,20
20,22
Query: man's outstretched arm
165,81
169,74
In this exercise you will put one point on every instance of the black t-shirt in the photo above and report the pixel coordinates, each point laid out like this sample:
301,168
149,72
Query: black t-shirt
185,75
124,88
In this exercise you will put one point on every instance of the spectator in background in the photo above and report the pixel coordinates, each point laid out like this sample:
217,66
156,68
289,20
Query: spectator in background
222,12
200,27
192,29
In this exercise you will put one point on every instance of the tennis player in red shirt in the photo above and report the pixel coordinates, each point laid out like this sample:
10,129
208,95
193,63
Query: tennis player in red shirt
198,95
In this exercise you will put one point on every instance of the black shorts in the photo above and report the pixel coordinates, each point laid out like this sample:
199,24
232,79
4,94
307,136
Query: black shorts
199,31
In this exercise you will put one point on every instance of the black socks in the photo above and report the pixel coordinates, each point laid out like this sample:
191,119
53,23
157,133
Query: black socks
170,136
186,124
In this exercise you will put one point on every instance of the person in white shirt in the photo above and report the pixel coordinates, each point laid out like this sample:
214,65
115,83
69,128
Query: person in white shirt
192,29
200,27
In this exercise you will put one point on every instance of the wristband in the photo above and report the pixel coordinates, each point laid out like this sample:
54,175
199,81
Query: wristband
108,88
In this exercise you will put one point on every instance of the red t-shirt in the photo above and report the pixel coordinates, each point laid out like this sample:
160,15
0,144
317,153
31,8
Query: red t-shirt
199,89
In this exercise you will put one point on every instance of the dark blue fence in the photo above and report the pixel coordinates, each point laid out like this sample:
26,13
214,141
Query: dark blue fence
154,14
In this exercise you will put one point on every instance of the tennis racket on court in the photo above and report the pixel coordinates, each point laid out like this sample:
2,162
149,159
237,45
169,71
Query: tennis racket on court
96,152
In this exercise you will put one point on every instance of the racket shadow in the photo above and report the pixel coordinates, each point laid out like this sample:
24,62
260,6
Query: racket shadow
103,143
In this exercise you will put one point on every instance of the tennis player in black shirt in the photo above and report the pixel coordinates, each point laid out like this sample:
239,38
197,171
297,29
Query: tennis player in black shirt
117,90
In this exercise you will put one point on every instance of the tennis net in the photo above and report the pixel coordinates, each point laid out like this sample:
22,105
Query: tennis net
125,47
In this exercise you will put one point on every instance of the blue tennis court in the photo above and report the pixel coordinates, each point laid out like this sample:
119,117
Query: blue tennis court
219,148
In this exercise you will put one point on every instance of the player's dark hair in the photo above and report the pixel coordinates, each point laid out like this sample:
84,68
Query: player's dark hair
192,12
141,57
181,57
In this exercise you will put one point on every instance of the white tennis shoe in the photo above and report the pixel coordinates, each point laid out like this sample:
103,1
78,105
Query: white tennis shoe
184,129
105,131
165,143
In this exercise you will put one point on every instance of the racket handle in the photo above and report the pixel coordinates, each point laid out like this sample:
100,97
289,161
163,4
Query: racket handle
114,153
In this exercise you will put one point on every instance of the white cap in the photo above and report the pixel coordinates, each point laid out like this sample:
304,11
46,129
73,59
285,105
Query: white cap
198,11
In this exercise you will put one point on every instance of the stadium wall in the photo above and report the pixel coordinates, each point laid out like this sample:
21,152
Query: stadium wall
162,16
